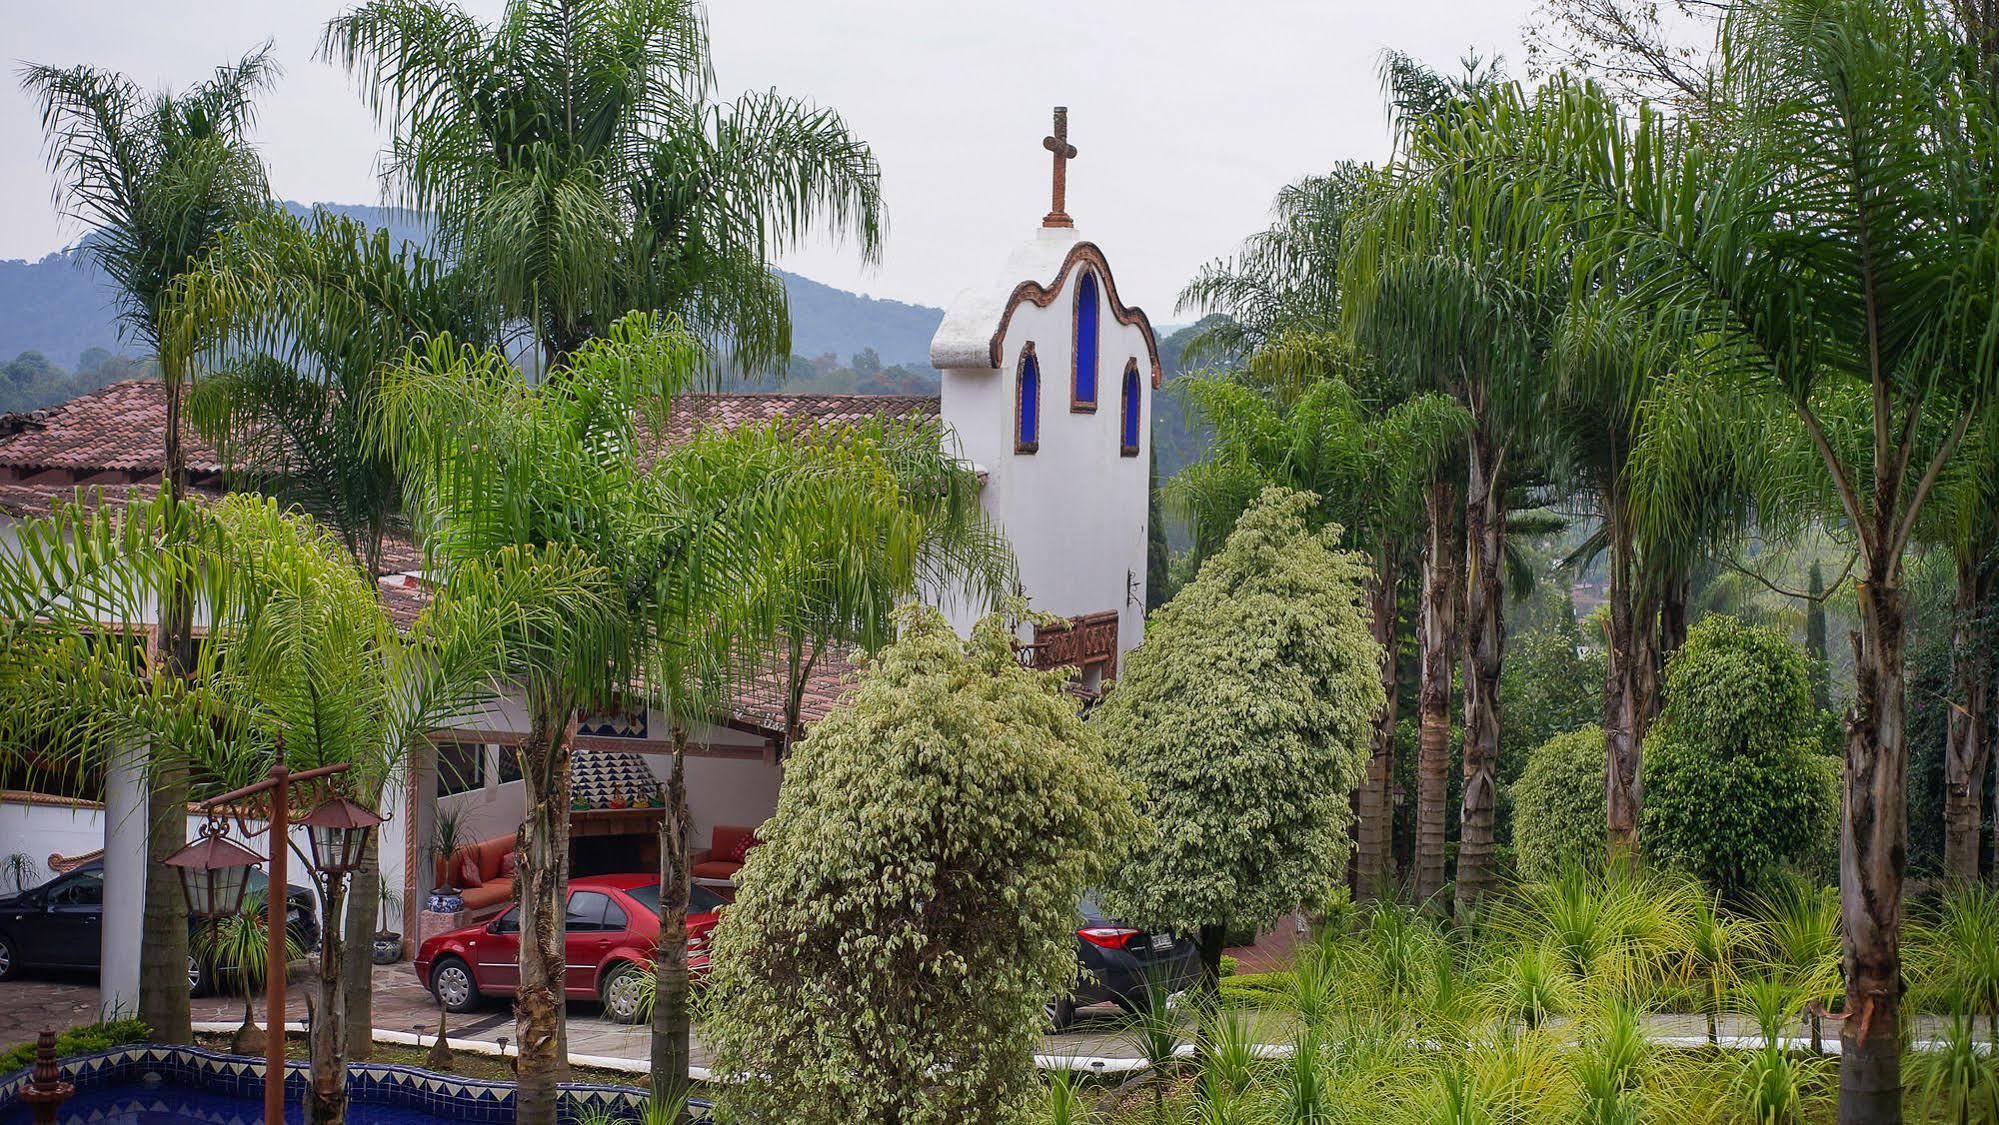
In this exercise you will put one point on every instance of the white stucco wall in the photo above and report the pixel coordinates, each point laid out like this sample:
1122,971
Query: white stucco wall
1075,510
40,830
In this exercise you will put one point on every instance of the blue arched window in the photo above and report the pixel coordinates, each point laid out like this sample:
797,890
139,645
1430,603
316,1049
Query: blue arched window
1027,403
1128,412
1083,396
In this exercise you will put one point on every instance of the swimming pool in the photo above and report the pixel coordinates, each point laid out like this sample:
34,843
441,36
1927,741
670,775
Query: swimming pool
174,1105
153,1084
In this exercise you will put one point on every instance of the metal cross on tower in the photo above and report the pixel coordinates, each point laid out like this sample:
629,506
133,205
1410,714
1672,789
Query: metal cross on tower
1064,152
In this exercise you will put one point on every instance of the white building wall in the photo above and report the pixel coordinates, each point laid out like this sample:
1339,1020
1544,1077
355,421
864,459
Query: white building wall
1075,510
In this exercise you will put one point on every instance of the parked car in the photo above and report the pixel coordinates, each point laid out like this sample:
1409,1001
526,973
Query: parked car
1121,964
612,929
60,925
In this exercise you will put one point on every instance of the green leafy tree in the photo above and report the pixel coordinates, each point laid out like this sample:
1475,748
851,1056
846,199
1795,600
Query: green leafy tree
1734,791
1558,806
156,179
1243,725
685,564
297,648
1829,222
912,906
306,316
576,164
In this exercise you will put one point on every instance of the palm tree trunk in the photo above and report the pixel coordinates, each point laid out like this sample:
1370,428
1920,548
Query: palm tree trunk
163,945
357,969
1873,857
1630,683
1815,640
1485,641
1436,634
542,872
1374,864
327,1101
1967,747
671,1050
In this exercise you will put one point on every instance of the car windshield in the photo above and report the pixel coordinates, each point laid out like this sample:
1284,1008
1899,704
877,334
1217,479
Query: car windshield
700,900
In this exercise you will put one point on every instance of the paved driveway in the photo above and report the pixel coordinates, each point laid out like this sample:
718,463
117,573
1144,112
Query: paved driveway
61,1001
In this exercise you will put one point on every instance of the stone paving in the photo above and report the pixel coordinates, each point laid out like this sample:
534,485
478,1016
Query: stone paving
63,1000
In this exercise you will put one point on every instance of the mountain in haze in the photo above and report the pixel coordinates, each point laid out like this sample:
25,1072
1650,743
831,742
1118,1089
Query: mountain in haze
61,306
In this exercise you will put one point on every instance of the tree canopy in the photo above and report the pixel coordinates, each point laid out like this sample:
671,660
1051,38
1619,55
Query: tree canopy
912,906
1243,724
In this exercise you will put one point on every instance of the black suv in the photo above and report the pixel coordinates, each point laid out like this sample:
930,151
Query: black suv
1122,964
60,925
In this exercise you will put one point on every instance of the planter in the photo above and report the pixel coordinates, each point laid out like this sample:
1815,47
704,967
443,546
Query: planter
388,948
444,900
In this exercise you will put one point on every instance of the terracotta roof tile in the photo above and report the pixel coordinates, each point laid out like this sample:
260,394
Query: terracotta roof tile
26,501
121,427
760,702
696,412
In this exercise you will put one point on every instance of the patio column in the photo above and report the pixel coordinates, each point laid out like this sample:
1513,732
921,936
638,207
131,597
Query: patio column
125,794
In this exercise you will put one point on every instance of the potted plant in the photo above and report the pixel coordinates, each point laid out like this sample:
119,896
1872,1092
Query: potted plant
388,947
237,944
447,837
20,869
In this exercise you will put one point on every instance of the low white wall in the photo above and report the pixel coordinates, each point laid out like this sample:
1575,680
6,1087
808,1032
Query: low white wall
739,791
41,829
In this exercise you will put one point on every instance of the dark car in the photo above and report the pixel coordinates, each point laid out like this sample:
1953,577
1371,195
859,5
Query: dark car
60,925
1121,964
611,930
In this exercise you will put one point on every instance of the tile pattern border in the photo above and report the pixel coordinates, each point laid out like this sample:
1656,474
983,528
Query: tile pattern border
461,1099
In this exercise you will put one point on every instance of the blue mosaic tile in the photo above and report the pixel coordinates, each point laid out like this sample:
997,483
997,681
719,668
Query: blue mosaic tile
468,1100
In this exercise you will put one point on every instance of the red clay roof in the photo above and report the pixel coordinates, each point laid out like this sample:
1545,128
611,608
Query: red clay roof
26,501
121,427
760,702
697,412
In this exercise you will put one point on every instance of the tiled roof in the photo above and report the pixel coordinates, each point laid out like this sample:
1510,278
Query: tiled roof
696,412
25,501
121,427
760,701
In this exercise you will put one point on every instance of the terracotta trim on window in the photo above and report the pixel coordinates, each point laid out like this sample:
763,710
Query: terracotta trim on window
1027,356
1077,403
1040,296
1129,387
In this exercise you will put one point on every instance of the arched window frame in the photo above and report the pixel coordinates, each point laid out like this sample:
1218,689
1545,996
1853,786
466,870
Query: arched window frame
1027,401
1130,414
1087,344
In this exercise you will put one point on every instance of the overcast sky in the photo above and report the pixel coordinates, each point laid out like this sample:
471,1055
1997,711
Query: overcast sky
1188,116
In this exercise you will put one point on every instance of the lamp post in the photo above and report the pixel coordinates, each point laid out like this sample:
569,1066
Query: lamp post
214,873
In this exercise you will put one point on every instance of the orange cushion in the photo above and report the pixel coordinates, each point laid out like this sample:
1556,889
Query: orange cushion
493,893
715,869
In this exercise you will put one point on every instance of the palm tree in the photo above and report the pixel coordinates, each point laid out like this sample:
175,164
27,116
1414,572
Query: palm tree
1963,518
1282,301
157,178
1443,305
238,941
1828,227
297,650
1366,463
304,317
693,558
575,164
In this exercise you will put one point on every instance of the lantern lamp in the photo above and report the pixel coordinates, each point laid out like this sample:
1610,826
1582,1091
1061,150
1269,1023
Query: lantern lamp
339,831
214,872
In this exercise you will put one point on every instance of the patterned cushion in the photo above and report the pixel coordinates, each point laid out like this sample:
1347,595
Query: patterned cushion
507,866
468,873
741,852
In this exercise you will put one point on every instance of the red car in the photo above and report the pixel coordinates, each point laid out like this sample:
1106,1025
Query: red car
613,928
